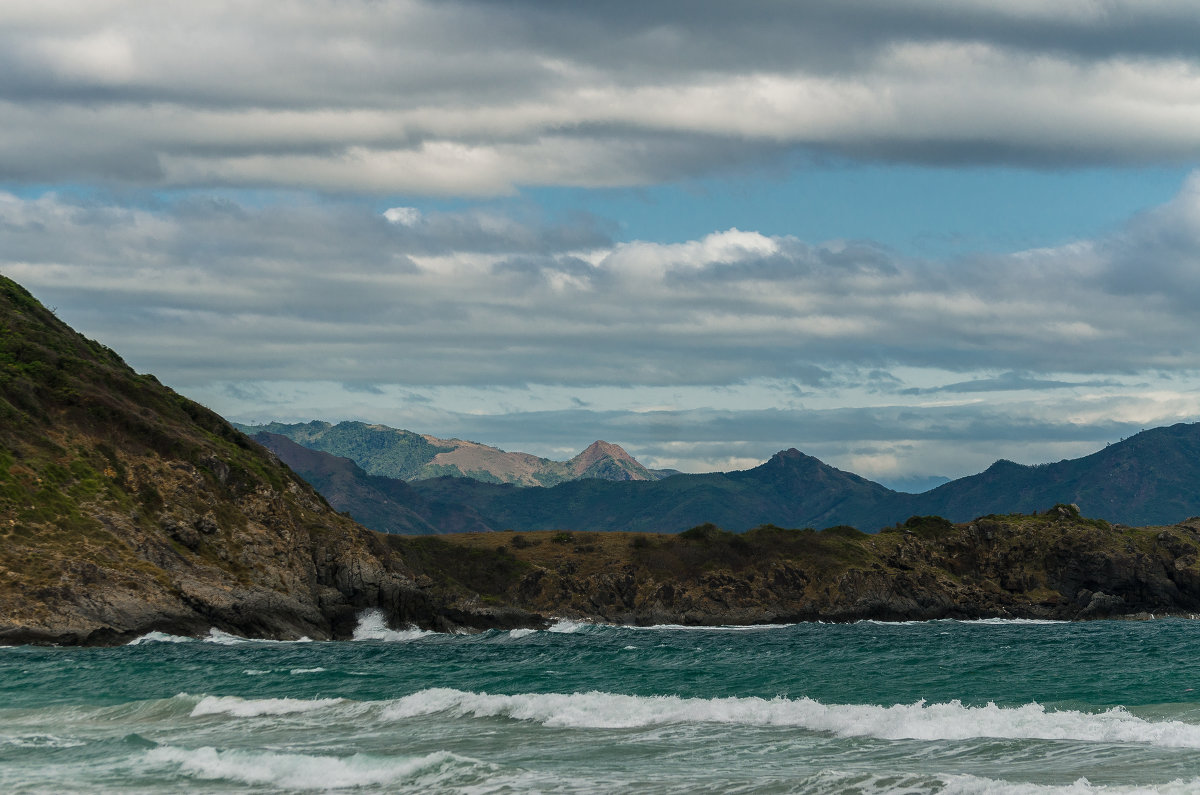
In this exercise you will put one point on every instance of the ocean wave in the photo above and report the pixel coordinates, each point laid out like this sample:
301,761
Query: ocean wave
225,639
521,633
565,626
919,721
253,707
294,771
160,637
994,622
714,628
39,741
373,626
918,784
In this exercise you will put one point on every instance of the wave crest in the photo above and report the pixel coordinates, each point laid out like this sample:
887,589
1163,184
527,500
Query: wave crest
919,721
373,626
314,772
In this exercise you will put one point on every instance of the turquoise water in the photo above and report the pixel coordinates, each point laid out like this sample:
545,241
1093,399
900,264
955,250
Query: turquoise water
943,706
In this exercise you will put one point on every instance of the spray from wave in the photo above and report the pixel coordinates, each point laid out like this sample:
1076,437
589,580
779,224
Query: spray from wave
373,626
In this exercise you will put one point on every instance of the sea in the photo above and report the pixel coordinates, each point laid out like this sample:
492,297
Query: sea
919,707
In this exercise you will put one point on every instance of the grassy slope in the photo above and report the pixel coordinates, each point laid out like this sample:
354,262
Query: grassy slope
122,502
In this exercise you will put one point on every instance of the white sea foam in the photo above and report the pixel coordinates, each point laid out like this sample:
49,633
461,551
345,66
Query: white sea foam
920,721
300,671
254,707
716,628
160,637
994,622
373,626
566,626
918,784
521,633
39,741
313,772
225,639
974,785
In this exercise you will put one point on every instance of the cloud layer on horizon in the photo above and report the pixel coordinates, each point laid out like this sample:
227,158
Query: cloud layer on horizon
214,295
459,98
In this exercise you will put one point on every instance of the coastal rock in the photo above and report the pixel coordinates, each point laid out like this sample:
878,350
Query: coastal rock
1042,567
126,508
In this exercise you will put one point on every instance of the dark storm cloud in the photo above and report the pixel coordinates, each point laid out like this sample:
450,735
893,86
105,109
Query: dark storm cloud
781,428
833,35
1004,383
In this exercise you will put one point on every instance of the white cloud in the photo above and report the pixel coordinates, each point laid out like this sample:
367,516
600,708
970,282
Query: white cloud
405,216
461,98
477,297
728,347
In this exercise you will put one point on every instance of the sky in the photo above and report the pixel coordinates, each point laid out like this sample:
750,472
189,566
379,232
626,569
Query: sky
909,237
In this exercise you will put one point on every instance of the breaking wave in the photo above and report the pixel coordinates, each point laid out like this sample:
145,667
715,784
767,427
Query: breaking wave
373,626
255,707
919,721
295,771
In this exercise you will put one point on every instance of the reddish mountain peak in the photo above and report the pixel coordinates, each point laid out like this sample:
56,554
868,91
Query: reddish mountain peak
598,451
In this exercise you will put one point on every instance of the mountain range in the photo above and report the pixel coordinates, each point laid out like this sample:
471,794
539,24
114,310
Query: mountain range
126,508
405,455
1151,478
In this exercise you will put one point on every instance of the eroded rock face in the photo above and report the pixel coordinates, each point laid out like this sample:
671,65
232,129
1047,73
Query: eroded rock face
126,508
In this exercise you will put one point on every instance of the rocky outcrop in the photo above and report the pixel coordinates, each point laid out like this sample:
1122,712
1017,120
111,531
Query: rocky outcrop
1052,566
126,508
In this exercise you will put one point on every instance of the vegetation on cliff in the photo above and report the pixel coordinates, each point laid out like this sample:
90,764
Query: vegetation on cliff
126,508
1055,565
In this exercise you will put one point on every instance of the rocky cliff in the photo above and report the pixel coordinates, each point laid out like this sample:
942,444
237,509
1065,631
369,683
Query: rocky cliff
126,508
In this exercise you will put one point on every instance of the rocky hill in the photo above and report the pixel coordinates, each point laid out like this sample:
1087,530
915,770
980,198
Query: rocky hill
1055,565
404,455
1152,477
126,508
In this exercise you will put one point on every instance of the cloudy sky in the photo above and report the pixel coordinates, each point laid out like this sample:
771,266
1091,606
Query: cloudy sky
908,238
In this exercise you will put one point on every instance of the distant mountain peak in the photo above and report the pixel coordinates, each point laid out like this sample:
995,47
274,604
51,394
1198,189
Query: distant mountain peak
597,451
405,455
609,461
791,458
